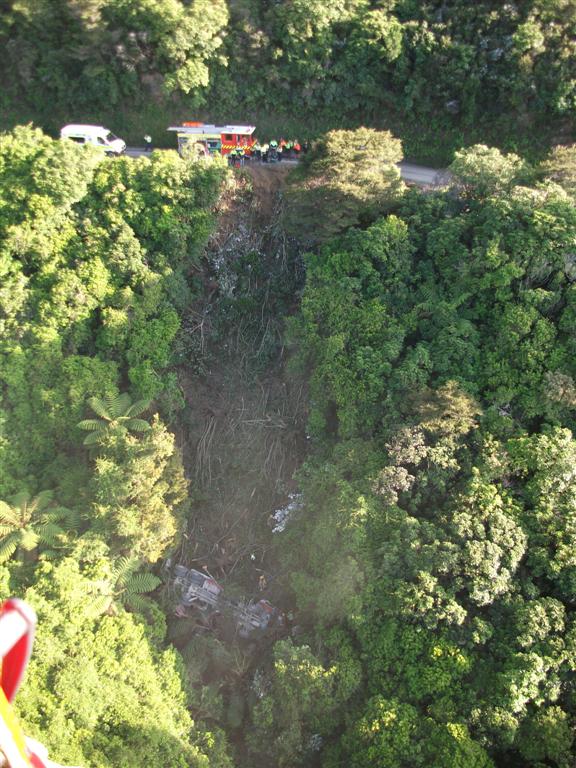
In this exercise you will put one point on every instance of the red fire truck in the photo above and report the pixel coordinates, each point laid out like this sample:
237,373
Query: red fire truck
203,138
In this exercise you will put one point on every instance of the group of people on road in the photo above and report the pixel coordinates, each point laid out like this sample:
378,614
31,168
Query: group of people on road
268,152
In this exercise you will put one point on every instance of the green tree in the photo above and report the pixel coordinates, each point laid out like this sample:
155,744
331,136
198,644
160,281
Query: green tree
393,735
139,492
349,178
300,702
481,171
97,692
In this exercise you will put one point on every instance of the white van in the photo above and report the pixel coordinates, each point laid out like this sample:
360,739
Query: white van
94,134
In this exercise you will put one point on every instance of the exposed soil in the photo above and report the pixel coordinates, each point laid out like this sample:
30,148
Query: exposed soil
267,182
241,432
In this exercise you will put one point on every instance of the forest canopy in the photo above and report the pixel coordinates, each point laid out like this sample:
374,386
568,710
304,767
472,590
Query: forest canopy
438,532
430,565
95,257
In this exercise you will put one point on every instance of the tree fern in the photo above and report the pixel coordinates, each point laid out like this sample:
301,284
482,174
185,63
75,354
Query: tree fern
28,522
125,587
115,411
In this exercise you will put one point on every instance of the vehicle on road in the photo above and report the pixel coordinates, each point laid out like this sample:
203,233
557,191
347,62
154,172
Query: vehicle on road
208,139
96,135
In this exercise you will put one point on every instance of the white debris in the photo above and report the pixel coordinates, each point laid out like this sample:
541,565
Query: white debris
283,515
260,684
315,743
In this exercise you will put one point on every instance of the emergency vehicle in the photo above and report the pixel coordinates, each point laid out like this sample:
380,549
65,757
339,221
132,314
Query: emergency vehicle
200,591
94,134
204,138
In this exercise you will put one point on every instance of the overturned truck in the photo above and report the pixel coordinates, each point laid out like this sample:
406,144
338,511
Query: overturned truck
199,591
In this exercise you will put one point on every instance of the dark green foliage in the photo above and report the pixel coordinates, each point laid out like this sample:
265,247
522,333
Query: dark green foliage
392,735
138,489
482,303
93,278
301,701
96,52
440,75
437,530
349,178
123,695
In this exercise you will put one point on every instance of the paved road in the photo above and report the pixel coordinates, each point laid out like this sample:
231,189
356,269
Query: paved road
417,174
425,177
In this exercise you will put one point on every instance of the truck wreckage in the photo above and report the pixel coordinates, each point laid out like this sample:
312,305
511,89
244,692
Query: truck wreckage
201,592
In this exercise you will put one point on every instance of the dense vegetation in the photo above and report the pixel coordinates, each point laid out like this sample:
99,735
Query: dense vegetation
181,350
439,73
430,569
433,564
95,259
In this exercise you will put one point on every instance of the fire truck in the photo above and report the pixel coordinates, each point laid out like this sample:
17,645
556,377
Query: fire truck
207,139
201,592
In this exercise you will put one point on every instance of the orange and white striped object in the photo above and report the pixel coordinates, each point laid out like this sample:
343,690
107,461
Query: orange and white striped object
17,625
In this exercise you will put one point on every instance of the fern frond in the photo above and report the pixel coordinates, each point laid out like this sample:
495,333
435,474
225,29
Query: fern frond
91,425
100,605
100,408
136,602
124,569
20,502
93,437
141,583
68,517
8,546
8,515
42,500
119,405
138,407
5,530
138,425
48,533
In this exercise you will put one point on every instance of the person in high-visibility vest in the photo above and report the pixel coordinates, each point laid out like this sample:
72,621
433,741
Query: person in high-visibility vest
264,153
